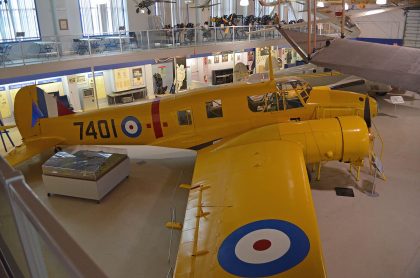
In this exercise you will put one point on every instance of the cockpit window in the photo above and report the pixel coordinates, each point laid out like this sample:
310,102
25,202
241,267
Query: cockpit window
295,87
290,94
266,103
292,100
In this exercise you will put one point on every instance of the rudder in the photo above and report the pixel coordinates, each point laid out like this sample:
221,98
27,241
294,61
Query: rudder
31,105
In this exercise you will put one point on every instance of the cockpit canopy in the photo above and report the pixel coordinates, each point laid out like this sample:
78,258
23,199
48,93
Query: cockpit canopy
291,93
294,87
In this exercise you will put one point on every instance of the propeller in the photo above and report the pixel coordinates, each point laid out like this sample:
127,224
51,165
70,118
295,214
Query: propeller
366,113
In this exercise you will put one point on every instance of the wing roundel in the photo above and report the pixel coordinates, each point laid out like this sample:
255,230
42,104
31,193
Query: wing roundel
250,213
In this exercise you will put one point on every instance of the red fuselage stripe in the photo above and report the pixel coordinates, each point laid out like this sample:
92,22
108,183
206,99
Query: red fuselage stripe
157,127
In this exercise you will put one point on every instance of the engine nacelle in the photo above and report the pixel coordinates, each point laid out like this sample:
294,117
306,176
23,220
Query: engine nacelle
344,138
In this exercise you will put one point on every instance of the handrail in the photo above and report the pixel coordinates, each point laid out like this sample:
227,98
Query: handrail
68,251
56,48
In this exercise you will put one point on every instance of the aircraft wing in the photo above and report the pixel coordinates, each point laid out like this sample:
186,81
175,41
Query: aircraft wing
347,82
389,64
30,149
250,213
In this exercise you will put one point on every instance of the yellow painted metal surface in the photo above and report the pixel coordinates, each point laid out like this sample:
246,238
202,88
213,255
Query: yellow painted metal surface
255,179
250,185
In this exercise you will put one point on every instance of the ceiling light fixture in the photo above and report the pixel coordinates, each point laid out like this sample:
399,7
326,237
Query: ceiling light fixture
320,4
380,2
244,3
346,6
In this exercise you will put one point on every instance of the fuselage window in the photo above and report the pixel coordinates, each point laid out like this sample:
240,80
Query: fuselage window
214,109
265,103
184,117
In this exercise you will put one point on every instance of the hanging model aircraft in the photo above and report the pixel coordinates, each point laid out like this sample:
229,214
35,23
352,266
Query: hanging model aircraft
394,65
146,4
250,211
264,3
205,5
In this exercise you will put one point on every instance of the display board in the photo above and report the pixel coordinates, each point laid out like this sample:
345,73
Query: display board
4,103
14,88
122,79
100,84
51,85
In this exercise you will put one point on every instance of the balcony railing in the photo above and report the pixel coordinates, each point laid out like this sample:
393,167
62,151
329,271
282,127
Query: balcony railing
32,242
56,48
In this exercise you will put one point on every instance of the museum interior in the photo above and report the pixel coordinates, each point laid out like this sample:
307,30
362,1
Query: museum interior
209,138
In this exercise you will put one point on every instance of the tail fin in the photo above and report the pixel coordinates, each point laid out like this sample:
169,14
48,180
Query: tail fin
33,104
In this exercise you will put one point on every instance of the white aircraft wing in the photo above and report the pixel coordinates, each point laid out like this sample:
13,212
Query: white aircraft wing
389,64
393,65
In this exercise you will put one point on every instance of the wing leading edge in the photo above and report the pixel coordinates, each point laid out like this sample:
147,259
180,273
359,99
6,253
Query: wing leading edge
250,213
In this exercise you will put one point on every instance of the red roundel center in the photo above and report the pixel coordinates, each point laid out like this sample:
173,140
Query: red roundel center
131,127
262,244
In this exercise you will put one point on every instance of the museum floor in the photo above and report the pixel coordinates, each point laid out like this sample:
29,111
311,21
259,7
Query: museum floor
361,236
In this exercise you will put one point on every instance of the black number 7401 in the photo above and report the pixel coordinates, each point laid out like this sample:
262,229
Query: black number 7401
100,129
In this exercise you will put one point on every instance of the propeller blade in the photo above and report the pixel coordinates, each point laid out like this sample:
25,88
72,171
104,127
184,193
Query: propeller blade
366,113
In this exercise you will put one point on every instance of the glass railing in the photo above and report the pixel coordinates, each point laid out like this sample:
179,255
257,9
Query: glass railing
55,48
32,242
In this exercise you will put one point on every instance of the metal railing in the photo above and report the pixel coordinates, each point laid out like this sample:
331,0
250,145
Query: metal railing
47,248
56,48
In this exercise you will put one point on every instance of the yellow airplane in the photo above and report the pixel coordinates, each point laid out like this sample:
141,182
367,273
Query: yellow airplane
250,211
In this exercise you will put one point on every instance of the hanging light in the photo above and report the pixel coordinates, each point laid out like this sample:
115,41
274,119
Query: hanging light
244,3
346,6
380,2
320,4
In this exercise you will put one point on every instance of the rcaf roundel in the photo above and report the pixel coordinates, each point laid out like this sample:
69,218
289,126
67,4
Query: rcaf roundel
131,127
263,248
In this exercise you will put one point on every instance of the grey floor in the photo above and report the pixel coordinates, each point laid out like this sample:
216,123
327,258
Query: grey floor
361,236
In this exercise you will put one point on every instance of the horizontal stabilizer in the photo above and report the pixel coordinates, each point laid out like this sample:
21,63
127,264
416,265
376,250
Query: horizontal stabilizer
30,149
6,127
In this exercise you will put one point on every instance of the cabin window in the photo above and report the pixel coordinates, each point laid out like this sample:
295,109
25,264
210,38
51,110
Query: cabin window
214,109
292,101
184,117
265,103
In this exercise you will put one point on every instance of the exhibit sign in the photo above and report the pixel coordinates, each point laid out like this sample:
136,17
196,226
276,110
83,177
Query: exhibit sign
397,100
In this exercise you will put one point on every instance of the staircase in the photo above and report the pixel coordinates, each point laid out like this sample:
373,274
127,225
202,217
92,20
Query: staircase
412,29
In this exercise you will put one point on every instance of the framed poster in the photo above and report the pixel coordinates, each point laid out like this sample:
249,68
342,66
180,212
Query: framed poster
225,58
63,24
122,79
137,76
250,56
81,79
216,59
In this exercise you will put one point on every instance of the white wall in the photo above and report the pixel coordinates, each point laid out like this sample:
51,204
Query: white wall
63,10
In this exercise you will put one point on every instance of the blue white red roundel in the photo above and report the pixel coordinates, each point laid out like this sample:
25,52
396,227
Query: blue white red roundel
131,127
263,248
